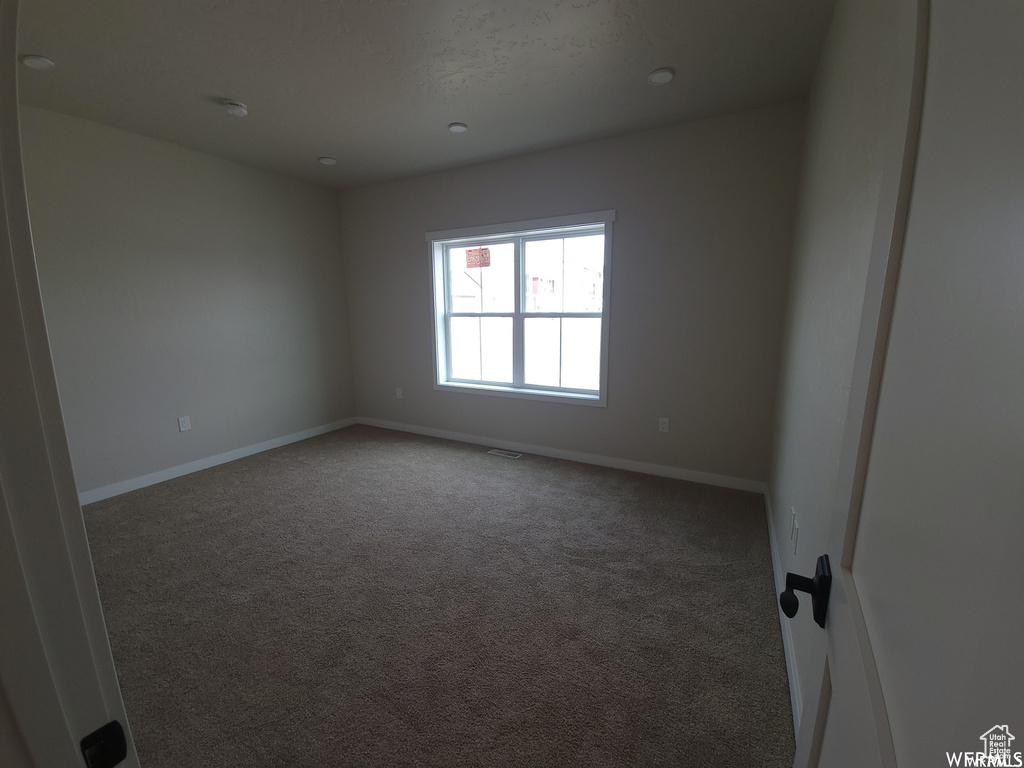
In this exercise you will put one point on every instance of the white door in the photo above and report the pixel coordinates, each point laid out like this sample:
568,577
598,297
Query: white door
926,624
56,671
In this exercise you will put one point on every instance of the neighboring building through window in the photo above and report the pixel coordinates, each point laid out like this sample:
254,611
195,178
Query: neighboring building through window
522,309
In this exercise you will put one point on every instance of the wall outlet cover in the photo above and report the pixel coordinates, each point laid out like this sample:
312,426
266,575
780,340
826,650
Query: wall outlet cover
184,423
663,424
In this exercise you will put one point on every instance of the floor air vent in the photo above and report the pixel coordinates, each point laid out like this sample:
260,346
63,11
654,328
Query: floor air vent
506,454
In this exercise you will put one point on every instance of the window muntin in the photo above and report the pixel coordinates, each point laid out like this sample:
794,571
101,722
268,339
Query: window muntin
524,313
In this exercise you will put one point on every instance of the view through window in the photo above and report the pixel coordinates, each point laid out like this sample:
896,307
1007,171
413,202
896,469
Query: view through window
524,311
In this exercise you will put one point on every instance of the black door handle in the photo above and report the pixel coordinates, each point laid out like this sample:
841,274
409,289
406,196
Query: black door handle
818,587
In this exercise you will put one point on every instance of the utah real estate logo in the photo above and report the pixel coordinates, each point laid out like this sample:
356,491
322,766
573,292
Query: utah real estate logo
995,752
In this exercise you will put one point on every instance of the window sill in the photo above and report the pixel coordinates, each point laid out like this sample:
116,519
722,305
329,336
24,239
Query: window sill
573,398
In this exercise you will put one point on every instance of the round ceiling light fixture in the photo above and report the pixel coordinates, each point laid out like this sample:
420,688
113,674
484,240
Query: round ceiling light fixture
661,76
41,63
328,161
235,108
458,127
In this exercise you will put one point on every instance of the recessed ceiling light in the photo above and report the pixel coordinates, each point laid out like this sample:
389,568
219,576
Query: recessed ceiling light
236,108
37,62
328,161
661,76
458,127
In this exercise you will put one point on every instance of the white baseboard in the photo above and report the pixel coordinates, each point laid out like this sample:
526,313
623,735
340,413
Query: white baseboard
661,470
115,489
708,478
795,694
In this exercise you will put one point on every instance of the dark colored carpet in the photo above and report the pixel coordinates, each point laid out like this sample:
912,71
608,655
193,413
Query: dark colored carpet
370,597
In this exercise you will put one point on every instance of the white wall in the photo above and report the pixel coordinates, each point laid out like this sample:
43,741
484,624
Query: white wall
856,128
176,283
700,255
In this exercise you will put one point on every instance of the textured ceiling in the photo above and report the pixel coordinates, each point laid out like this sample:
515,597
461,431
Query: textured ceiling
375,83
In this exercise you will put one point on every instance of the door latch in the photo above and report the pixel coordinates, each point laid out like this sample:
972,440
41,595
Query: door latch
105,747
818,587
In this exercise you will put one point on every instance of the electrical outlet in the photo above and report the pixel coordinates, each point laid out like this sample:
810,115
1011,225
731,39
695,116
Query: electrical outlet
663,424
184,424
398,393
796,537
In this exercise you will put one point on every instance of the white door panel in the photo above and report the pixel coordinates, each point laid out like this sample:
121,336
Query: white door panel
929,593
849,740
941,538
852,740
852,727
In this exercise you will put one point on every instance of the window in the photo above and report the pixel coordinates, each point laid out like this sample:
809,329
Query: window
521,309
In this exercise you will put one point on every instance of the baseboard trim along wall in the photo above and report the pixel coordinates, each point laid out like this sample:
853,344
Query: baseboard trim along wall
796,700
115,489
661,470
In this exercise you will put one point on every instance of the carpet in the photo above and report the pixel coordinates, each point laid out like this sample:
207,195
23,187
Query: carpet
375,598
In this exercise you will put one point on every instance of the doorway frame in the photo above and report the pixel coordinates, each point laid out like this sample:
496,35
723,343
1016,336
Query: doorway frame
56,669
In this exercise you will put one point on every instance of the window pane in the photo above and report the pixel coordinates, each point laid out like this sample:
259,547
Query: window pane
584,274
465,348
581,352
466,295
482,278
543,280
496,349
542,350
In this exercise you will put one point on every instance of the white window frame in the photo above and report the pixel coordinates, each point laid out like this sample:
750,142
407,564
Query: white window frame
518,232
